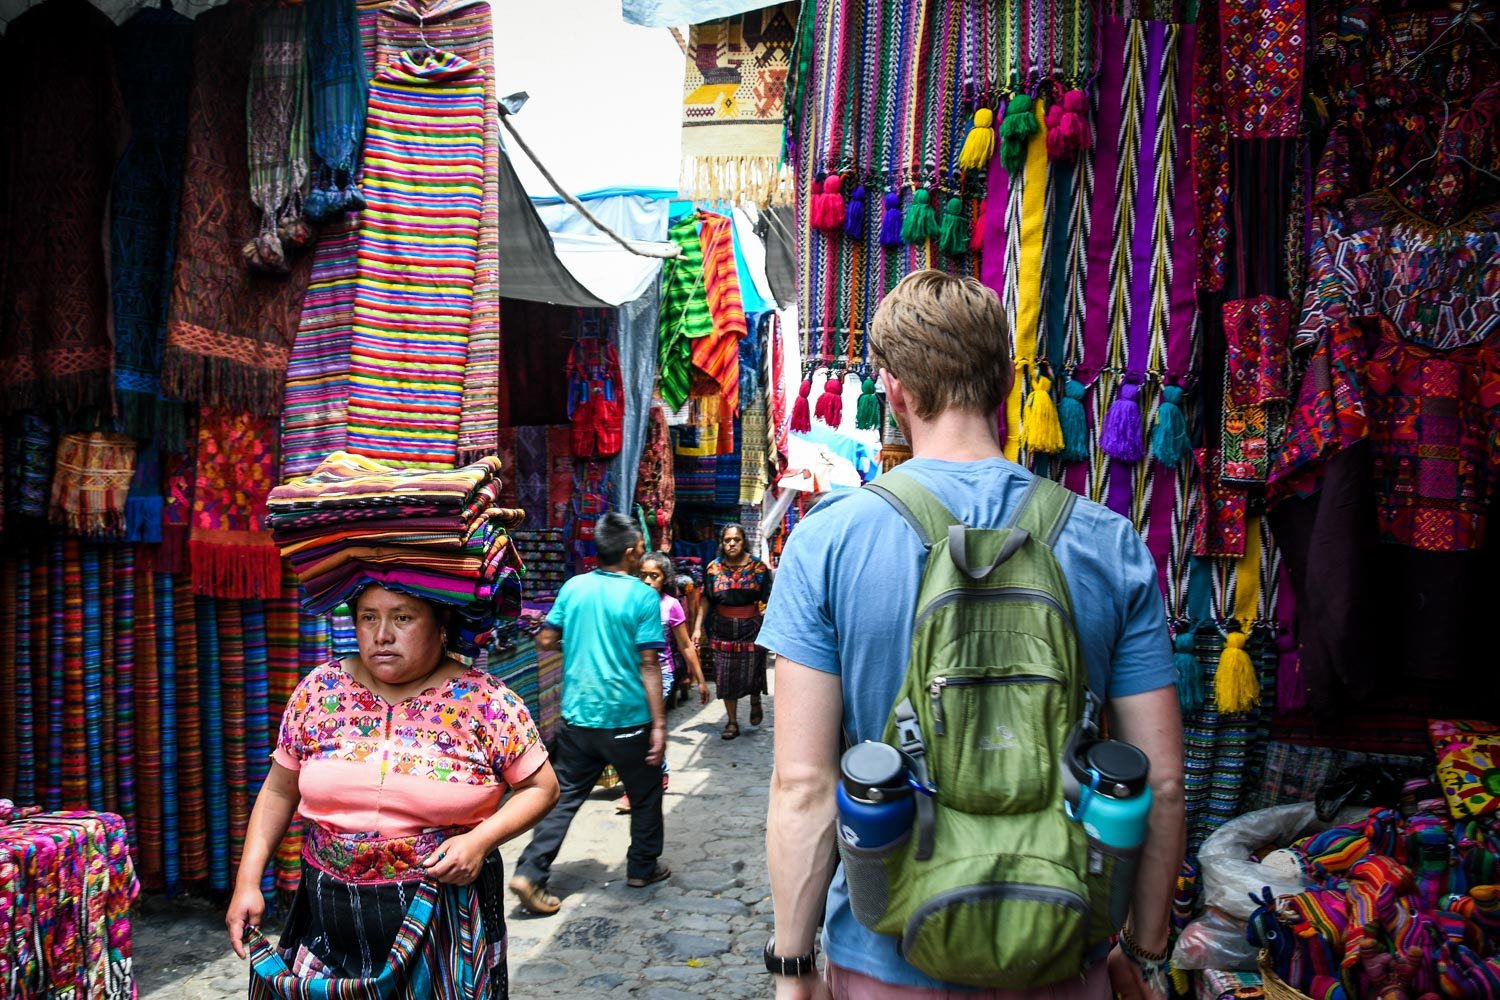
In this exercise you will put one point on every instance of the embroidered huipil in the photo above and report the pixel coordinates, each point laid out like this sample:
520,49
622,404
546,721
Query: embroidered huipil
1402,327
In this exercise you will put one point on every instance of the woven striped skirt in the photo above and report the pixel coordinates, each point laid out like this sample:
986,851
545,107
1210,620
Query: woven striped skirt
739,666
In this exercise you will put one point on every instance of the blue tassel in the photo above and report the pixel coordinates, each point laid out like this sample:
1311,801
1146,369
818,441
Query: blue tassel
1169,439
1075,422
1189,672
890,221
143,519
854,222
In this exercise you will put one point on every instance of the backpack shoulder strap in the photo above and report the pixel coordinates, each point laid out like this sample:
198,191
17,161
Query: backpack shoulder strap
916,505
1044,510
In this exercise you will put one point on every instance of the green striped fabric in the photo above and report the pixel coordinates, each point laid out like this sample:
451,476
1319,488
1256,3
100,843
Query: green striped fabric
684,312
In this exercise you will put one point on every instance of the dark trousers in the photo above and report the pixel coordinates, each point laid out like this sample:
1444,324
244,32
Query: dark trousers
578,758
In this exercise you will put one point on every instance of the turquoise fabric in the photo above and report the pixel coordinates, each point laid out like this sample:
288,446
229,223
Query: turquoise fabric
606,619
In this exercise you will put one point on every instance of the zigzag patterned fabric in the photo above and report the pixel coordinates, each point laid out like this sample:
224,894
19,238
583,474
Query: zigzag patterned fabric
418,242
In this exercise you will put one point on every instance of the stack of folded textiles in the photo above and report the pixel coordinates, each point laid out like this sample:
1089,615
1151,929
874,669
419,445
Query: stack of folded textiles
437,535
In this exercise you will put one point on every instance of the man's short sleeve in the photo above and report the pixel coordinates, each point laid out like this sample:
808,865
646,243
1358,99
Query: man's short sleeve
558,616
1142,659
799,625
648,630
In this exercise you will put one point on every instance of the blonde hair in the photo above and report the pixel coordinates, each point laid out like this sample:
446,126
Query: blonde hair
945,338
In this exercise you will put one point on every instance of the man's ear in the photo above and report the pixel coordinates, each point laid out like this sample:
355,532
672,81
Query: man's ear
895,395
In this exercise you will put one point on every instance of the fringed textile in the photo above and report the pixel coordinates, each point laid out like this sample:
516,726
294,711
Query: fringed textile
276,137
93,475
414,295
229,329
231,552
57,72
154,59
338,85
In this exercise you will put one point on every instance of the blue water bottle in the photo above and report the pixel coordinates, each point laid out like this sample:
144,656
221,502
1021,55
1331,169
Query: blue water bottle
874,799
1115,799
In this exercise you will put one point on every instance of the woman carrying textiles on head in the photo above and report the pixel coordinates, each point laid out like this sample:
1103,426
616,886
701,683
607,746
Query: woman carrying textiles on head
398,759
736,587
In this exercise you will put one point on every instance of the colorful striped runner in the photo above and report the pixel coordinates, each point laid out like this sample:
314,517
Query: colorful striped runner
191,817
74,761
215,791
56,590
91,666
9,576
24,788
232,694
166,669
124,621
257,724
148,771
104,609
414,294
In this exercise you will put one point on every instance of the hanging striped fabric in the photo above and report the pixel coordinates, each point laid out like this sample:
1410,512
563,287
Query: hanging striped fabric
418,241
257,731
148,771
192,817
232,692
124,621
91,666
166,669
216,792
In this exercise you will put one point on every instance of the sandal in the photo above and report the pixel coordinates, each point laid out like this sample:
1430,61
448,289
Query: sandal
623,806
730,731
756,715
534,898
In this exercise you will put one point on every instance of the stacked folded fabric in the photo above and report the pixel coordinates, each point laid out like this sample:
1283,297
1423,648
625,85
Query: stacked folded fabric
437,535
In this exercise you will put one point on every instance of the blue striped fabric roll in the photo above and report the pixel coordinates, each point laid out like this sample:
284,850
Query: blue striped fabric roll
166,672
93,680
215,788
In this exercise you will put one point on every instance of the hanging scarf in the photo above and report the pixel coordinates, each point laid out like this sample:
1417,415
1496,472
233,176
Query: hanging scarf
148,732
684,312
718,355
155,63
425,128
229,330
1262,55
338,85
232,554
216,792
276,137
92,479
57,71
29,467
1210,145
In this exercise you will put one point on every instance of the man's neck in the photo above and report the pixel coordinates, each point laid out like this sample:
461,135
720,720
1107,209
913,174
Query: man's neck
955,436
617,568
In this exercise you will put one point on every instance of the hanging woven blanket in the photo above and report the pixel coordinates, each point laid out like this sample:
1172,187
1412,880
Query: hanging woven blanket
733,101
684,316
718,354
276,137
90,484
231,551
414,293
57,71
155,65
229,329
338,86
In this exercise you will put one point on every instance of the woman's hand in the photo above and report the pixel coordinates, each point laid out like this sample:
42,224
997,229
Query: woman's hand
458,860
702,692
246,907
698,636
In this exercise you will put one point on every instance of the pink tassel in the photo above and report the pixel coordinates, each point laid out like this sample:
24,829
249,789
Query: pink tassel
830,408
801,418
1057,146
828,206
976,238
1075,119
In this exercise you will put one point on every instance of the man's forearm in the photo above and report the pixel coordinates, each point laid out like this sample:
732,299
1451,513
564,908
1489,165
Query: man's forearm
1161,861
800,852
651,678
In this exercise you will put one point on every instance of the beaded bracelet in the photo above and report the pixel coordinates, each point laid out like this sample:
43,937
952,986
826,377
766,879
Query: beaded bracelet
1153,965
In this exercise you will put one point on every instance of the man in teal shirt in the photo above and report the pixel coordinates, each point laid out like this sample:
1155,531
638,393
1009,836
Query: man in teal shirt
609,625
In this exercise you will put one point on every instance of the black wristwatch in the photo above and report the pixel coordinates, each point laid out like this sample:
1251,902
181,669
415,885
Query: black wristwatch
780,965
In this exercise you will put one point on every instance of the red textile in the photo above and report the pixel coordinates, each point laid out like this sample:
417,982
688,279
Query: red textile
718,354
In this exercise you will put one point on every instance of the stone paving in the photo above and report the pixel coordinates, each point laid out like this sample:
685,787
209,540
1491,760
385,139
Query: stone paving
698,934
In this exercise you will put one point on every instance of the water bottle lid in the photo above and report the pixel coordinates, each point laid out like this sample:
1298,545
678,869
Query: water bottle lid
1122,768
874,772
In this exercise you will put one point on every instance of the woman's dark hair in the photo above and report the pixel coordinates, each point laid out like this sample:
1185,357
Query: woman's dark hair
614,534
662,562
734,526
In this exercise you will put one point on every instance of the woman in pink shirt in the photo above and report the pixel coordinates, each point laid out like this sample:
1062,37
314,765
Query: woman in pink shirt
397,759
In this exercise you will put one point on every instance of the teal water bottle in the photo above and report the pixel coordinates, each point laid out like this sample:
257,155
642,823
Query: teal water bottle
1114,796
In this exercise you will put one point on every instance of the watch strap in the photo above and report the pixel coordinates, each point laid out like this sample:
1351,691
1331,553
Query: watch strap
782,965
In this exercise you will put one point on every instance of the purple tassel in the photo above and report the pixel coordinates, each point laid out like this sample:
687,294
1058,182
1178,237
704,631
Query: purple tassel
854,223
890,221
1122,426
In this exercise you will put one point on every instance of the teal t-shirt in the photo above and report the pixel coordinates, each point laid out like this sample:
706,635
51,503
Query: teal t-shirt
606,619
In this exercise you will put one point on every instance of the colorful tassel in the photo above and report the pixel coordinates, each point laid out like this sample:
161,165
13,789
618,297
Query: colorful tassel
890,221
867,410
979,144
1074,420
1040,431
830,408
828,205
143,519
1075,120
1122,426
920,224
976,239
1189,672
801,416
953,237
854,221
1236,684
1016,130
1169,439
1057,147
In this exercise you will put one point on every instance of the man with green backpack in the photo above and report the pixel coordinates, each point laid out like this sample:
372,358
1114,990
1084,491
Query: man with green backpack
977,623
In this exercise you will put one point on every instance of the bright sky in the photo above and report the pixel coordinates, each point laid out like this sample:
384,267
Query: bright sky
606,96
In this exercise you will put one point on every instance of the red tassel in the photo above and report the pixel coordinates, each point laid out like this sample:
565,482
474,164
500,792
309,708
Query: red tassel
828,206
801,417
830,408
1075,120
1057,145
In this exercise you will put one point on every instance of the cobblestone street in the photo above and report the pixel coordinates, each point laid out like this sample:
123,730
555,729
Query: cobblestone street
698,934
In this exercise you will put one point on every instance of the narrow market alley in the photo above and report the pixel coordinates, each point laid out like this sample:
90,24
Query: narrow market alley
698,934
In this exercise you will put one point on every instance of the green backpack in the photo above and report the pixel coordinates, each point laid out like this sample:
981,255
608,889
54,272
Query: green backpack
994,886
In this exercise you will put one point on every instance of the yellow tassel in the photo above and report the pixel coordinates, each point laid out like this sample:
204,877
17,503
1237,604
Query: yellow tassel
1236,685
1181,982
979,144
1041,432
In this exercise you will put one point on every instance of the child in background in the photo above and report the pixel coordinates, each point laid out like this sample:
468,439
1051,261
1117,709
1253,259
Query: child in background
656,570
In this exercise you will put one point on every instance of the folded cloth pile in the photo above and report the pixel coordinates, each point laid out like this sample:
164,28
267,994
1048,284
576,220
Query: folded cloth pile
438,535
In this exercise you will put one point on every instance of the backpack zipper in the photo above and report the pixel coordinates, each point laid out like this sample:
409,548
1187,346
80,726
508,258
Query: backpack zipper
996,594
935,689
978,893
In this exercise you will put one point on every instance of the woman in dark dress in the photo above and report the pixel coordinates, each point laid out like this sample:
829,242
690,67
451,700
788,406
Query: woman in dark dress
736,587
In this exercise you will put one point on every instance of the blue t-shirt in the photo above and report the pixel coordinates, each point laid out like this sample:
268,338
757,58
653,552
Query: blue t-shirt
846,591
606,619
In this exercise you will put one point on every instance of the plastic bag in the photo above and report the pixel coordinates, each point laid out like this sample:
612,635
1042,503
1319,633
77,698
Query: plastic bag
1214,940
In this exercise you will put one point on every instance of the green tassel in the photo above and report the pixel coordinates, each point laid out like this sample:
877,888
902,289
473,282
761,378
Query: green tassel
867,410
1074,421
1169,439
1189,672
920,222
1016,130
954,237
